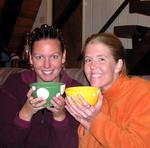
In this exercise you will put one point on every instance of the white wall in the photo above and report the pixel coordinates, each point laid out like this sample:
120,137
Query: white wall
97,12
44,15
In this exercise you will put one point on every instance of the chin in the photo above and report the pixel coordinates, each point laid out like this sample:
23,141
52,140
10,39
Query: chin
47,80
95,84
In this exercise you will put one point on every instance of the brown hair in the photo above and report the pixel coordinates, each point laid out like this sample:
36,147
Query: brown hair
111,41
47,32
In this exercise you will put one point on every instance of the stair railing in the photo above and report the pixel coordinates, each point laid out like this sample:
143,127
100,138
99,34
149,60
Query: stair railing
114,16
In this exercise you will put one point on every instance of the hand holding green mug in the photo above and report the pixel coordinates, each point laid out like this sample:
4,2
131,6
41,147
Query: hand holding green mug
47,90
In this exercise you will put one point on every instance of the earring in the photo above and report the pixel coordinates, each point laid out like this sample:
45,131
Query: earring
31,66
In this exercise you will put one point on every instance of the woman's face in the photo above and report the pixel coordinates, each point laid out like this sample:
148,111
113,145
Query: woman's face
47,59
100,67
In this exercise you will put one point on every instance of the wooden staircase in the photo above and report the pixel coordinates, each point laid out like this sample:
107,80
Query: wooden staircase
140,6
17,18
137,58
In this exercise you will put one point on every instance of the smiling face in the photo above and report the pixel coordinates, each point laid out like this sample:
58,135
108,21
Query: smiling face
100,66
47,59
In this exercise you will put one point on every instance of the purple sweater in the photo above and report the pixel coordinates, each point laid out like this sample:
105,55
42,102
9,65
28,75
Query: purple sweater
42,131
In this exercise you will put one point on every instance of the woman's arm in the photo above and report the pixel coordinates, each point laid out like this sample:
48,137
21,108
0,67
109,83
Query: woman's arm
11,135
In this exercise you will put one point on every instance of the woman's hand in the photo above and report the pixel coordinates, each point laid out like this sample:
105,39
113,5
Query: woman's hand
58,104
31,106
83,112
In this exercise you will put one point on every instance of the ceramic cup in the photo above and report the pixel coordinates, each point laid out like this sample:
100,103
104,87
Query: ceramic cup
89,93
47,90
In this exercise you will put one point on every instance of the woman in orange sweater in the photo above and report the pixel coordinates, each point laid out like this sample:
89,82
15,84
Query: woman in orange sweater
121,117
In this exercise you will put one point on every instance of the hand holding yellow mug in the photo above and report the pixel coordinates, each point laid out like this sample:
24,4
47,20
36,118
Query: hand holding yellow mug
89,93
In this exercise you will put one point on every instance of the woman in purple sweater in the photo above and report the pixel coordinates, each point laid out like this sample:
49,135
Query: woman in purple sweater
24,123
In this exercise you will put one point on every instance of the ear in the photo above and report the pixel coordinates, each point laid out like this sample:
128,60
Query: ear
119,66
30,58
64,57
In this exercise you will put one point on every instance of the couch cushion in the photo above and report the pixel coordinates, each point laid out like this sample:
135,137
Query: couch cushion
6,71
74,73
77,74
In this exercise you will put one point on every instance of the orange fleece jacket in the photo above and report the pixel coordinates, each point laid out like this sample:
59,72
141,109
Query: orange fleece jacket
124,121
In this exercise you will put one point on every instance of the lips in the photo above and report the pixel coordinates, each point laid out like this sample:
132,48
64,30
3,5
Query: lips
96,75
47,72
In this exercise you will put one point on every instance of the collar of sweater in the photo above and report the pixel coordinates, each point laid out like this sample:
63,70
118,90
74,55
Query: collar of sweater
116,89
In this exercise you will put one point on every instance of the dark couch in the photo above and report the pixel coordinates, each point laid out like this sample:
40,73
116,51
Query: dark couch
75,73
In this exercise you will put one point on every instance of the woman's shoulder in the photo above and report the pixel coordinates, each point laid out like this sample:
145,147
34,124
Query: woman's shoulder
28,76
139,83
25,76
139,80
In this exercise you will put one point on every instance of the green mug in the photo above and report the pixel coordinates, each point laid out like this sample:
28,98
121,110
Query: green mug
47,90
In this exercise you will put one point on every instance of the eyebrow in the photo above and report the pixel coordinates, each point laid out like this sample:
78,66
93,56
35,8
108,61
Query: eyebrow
96,56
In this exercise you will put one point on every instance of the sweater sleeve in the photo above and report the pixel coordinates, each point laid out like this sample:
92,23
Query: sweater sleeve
21,123
11,134
133,132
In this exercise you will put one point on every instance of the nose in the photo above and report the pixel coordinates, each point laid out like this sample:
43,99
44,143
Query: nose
94,64
47,63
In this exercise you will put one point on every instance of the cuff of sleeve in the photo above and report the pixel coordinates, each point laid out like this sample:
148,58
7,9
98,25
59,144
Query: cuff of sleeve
58,124
98,126
83,138
99,123
81,132
21,123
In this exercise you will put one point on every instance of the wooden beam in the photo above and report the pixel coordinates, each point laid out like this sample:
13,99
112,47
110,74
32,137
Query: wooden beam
10,13
70,8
